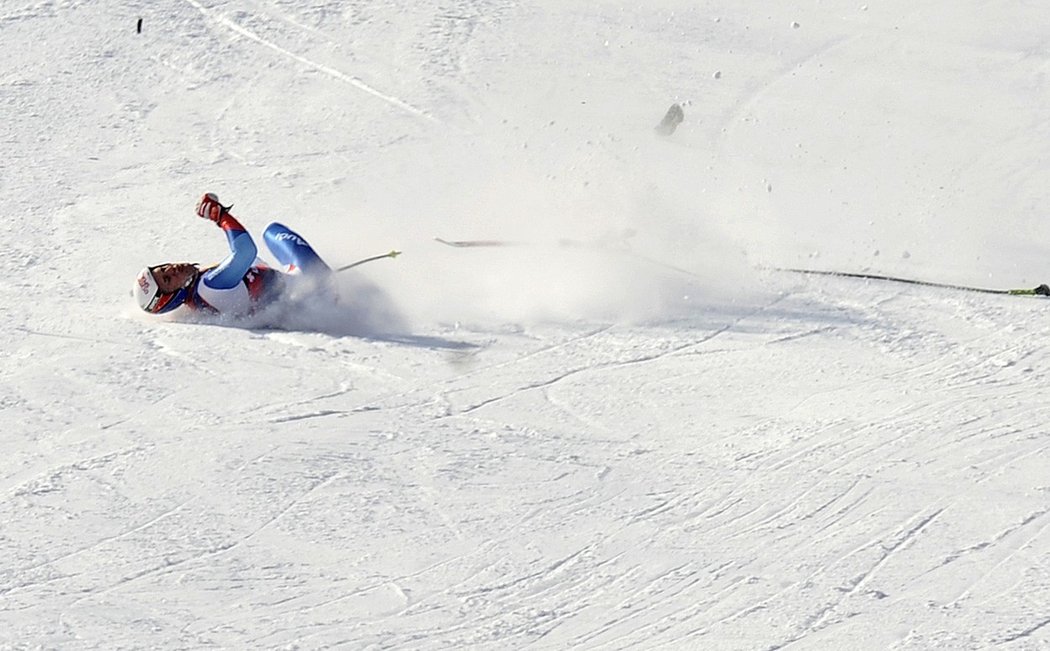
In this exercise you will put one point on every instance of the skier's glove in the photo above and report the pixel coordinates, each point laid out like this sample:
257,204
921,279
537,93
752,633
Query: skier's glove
209,208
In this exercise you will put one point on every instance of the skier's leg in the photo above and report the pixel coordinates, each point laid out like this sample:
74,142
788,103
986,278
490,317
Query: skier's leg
292,251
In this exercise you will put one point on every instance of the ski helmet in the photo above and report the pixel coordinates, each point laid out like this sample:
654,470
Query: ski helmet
154,301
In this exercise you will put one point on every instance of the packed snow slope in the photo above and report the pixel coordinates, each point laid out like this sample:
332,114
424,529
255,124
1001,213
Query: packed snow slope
625,430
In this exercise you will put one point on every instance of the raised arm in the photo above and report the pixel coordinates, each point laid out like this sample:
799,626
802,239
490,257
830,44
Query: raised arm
242,249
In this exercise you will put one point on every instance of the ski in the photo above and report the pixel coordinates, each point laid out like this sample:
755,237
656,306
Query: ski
1041,290
613,242
473,244
604,245
460,244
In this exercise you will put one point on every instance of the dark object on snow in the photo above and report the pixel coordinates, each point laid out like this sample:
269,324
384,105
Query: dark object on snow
138,28
1041,290
672,119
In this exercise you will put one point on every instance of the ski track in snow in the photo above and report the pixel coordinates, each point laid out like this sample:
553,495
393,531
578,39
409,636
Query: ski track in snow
331,72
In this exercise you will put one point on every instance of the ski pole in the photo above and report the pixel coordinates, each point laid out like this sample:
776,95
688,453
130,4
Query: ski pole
391,254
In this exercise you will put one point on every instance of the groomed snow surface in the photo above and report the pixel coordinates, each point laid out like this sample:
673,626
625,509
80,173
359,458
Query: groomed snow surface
624,429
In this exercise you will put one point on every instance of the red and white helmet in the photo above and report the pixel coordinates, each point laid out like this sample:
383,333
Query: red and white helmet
151,299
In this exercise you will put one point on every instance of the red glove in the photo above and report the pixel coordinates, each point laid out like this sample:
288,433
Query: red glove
209,208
